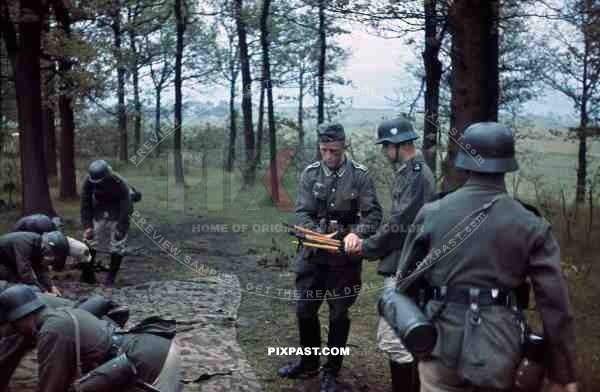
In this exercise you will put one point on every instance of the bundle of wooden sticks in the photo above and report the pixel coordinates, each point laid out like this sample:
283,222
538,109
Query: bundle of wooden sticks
312,239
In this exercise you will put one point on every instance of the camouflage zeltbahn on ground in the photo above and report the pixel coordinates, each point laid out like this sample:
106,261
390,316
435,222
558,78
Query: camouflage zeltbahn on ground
206,312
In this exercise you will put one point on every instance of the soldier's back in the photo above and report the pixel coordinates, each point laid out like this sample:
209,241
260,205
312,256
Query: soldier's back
478,247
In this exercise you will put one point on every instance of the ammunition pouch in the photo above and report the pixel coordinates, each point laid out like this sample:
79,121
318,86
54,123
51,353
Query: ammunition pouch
408,321
522,295
530,372
114,375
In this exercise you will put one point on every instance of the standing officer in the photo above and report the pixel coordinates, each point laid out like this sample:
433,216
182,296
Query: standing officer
414,185
25,257
477,246
335,194
105,208
73,342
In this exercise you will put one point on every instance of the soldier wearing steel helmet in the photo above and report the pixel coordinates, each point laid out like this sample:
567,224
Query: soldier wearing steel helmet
335,194
25,258
106,204
478,245
414,185
77,350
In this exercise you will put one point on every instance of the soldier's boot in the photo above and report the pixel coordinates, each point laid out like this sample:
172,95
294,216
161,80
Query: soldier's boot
308,365
405,376
338,336
88,274
328,380
115,265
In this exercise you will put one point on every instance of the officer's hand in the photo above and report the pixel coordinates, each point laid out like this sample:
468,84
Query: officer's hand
88,234
352,244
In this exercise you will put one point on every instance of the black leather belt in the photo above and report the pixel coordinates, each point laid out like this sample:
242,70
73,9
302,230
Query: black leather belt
464,296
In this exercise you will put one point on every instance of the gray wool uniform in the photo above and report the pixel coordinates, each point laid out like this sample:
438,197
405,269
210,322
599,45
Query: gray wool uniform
414,185
348,197
496,248
21,260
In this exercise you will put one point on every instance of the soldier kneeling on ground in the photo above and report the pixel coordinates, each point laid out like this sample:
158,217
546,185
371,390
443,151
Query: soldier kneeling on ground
79,351
13,346
41,223
26,258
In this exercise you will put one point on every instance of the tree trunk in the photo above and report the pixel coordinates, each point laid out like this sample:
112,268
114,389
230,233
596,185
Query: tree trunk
321,70
265,42
48,95
232,120
322,62
301,111
250,175
35,192
583,114
50,140
260,126
178,160
158,91
474,28
137,113
68,182
121,70
433,75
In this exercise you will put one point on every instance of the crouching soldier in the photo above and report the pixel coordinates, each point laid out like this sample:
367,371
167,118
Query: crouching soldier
77,350
106,203
25,258
13,346
39,223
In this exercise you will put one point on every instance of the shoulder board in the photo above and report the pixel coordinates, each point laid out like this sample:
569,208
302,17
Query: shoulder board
359,166
402,167
314,165
417,167
531,208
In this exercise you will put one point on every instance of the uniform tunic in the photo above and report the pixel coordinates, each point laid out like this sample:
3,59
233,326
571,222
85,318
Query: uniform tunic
493,249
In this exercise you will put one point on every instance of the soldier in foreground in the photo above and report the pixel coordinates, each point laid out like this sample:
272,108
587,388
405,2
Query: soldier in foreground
414,185
335,194
105,208
13,346
26,257
477,246
72,343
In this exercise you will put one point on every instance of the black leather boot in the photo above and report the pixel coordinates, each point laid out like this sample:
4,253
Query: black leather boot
310,336
115,265
88,274
405,377
328,380
338,336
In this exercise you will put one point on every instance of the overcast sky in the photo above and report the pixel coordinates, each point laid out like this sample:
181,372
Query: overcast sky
377,68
